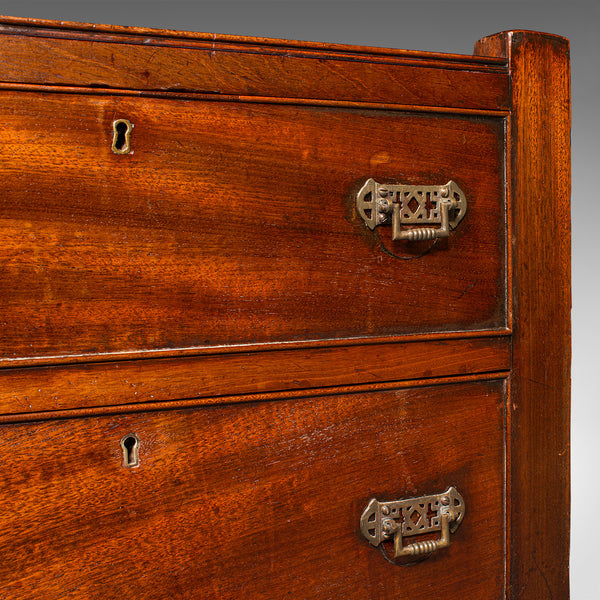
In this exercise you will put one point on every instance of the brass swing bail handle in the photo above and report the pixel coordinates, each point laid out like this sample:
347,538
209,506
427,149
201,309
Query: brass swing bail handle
426,546
418,234
399,519
412,205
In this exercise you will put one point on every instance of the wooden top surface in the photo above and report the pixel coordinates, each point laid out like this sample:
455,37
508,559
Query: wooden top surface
60,28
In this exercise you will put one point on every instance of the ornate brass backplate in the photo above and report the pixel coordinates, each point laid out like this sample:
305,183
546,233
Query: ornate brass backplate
398,519
398,204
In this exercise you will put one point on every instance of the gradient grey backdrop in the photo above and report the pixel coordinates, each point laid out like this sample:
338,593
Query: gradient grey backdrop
443,26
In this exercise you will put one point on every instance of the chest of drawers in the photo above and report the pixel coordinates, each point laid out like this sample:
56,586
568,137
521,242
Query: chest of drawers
282,319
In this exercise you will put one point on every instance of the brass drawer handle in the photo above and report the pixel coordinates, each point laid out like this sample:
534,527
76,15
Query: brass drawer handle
399,519
443,205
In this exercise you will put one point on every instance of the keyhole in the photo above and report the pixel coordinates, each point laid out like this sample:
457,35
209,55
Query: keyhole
130,445
121,136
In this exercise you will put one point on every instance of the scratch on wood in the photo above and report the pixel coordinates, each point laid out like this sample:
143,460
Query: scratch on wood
472,285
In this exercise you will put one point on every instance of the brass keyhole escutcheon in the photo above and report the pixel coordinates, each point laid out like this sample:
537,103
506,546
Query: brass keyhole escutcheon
130,446
122,129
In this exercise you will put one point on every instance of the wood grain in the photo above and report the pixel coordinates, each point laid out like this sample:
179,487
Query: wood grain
224,71
215,294
168,405
182,95
59,388
234,224
238,67
540,167
75,30
221,503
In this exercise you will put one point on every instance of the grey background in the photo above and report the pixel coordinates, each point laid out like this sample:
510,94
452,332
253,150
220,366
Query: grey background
444,26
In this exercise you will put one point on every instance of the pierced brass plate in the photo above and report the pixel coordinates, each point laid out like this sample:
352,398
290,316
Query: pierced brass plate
398,519
400,205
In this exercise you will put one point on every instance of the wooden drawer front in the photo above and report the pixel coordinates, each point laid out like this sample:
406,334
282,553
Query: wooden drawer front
234,223
263,499
236,67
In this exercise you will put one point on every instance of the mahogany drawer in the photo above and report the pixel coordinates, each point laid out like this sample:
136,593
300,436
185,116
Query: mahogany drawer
212,371
235,223
260,497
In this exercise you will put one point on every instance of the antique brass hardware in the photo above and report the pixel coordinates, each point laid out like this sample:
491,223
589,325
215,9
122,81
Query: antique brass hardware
122,129
383,521
130,446
443,205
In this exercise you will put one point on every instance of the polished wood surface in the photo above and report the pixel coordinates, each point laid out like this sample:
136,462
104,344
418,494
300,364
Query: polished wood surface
115,383
215,294
121,33
235,223
151,406
264,498
153,60
540,384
